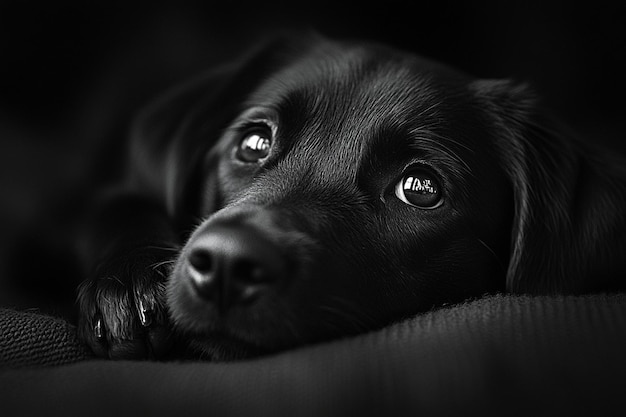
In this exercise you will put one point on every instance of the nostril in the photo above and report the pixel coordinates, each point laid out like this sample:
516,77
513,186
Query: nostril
201,260
250,272
249,280
203,274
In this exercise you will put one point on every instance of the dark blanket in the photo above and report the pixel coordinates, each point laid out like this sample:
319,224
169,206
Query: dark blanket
30,339
499,355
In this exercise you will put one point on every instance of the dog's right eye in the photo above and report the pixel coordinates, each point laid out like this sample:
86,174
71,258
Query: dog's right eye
254,146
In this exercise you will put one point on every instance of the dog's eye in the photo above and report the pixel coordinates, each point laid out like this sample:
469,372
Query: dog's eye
254,146
419,188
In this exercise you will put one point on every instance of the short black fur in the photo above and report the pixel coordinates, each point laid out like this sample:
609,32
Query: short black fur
313,242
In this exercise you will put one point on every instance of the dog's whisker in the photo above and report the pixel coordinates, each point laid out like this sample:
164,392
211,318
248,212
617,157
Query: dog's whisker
157,265
492,253
172,248
161,273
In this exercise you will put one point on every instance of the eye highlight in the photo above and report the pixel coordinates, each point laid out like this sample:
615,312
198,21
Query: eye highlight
255,145
419,188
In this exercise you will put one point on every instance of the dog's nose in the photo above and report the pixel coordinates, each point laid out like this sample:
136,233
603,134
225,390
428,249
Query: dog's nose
234,265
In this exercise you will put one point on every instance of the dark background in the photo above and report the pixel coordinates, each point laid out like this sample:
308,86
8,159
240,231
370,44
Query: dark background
72,75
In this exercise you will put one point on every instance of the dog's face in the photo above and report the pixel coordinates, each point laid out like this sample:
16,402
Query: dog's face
341,187
357,186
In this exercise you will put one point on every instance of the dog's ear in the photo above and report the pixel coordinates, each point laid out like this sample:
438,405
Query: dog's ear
568,230
171,137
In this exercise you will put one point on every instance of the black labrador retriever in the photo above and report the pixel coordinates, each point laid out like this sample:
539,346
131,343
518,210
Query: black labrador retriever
318,189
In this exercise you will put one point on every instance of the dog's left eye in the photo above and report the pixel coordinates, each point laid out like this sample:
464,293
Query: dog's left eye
254,146
419,188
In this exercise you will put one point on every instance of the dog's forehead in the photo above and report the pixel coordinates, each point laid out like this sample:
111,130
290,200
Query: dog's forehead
345,102
338,77
358,85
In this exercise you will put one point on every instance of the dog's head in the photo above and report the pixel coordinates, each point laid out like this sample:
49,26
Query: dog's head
338,187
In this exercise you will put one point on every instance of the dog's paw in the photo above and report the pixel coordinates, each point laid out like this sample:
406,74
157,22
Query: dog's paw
122,310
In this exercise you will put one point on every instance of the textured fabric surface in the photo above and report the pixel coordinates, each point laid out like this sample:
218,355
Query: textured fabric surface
31,339
499,355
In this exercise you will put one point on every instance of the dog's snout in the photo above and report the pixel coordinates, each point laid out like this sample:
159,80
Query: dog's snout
234,265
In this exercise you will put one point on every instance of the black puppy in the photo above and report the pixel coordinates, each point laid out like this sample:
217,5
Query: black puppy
328,188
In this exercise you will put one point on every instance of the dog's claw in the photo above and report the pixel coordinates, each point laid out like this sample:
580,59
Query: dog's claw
97,329
145,314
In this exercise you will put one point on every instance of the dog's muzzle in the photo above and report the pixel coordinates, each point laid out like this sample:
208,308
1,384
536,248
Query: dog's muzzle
243,277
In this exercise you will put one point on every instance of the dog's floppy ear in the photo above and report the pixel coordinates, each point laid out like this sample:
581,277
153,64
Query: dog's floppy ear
171,137
568,230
